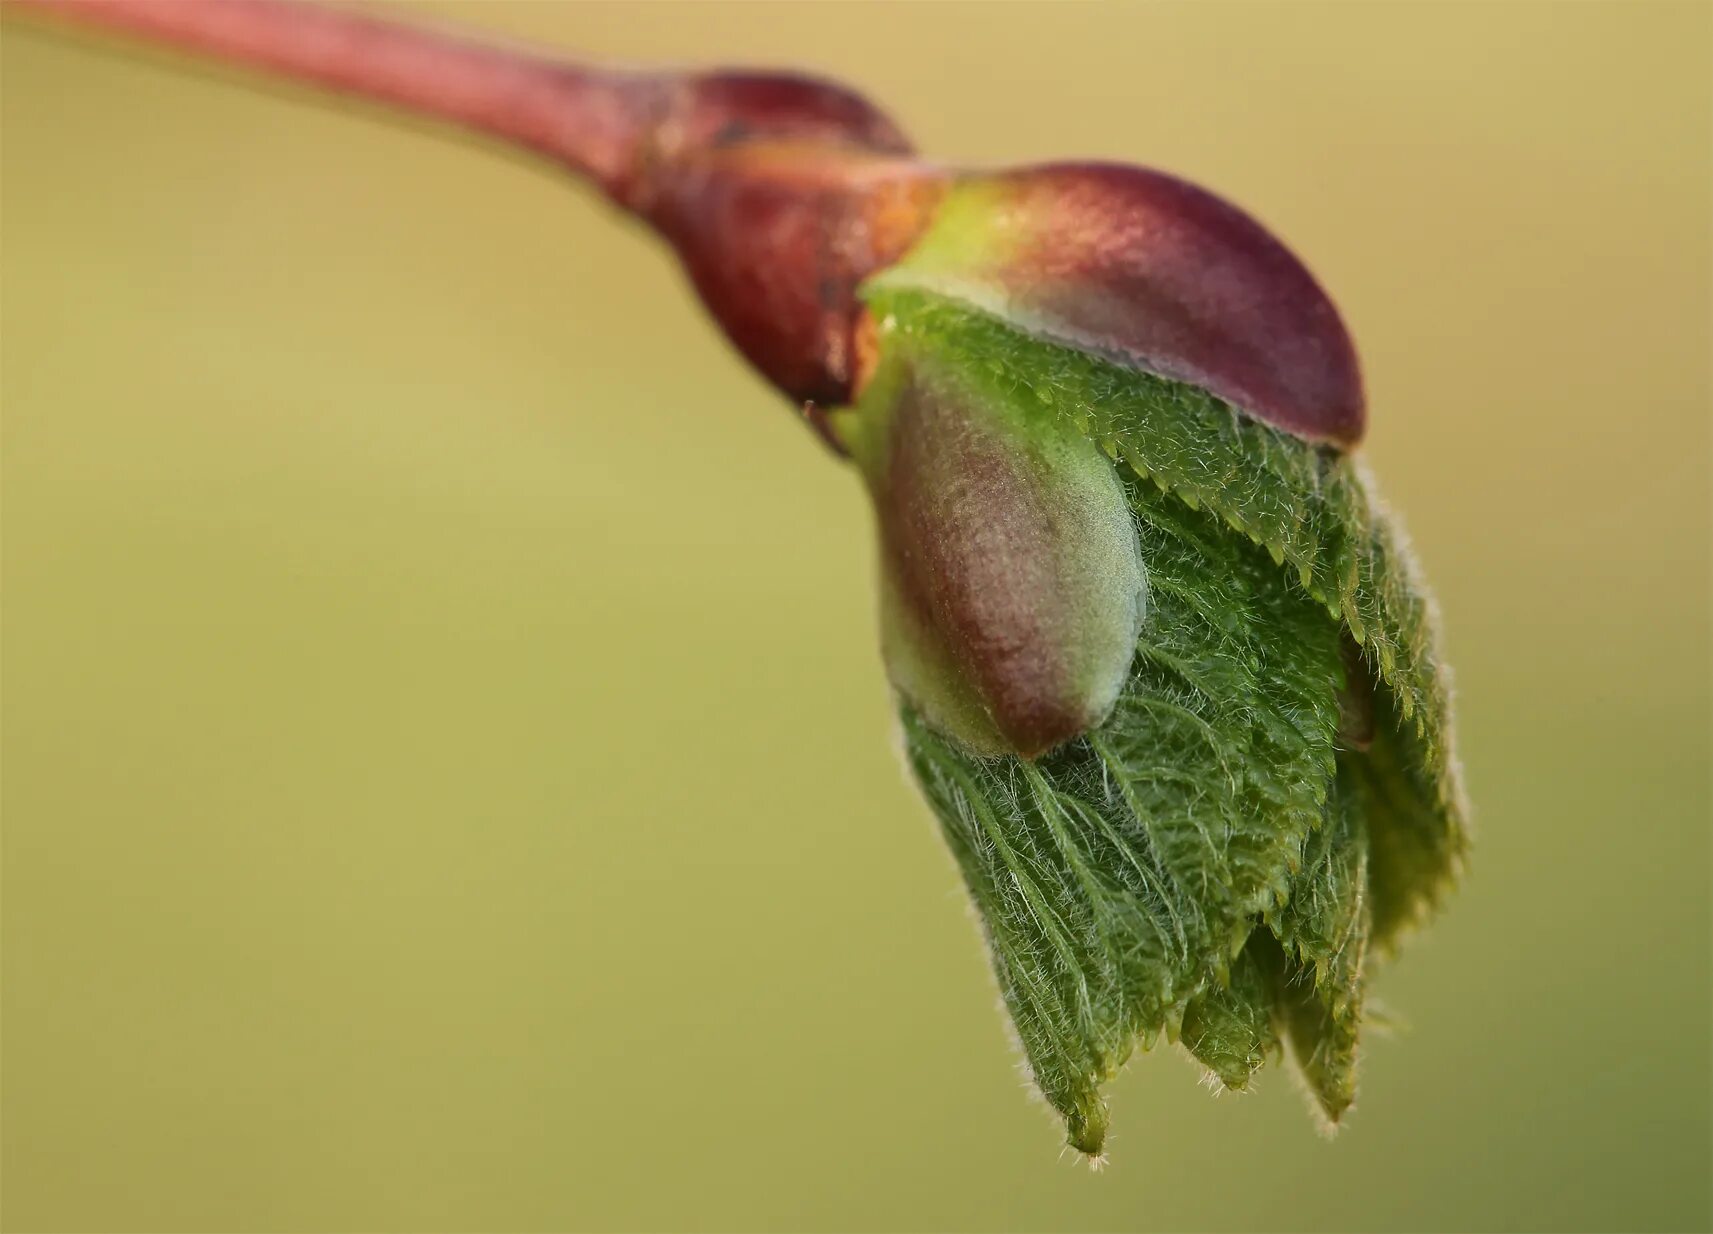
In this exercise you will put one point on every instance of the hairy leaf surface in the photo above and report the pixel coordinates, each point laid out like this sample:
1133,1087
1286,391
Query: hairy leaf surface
1215,861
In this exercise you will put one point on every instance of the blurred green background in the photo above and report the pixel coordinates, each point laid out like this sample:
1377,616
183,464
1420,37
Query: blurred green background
449,779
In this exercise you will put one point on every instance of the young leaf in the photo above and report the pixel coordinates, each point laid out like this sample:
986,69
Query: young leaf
1198,864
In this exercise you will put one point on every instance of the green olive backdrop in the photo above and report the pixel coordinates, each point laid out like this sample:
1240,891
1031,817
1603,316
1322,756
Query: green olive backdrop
449,777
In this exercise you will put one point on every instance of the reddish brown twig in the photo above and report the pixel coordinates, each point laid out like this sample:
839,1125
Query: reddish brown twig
592,121
776,244
782,193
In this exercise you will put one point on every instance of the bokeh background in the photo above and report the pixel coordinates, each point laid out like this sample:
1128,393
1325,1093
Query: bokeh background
449,781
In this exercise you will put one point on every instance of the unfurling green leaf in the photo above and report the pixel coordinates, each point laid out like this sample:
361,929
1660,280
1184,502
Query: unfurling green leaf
1212,860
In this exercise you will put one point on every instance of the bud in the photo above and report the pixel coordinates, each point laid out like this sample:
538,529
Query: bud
1012,585
1105,419
1167,675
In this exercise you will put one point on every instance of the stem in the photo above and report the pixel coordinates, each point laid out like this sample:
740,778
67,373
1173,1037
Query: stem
780,192
596,122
